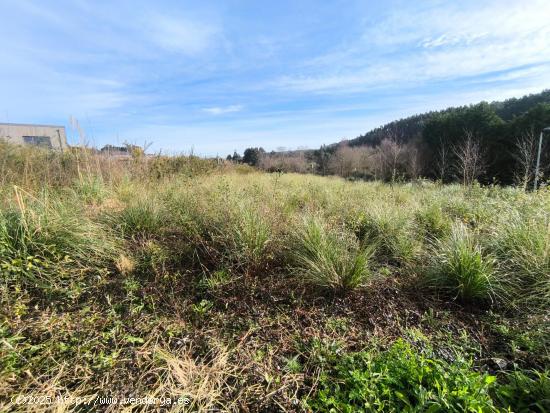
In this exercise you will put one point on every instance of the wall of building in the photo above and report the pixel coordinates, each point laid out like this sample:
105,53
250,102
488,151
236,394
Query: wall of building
50,136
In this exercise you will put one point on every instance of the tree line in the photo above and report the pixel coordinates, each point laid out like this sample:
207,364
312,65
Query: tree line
487,142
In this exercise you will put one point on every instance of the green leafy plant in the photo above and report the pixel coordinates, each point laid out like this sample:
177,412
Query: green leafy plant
401,379
202,308
525,392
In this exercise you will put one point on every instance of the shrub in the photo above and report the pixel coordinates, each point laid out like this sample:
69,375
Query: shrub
401,379
459,268
332,259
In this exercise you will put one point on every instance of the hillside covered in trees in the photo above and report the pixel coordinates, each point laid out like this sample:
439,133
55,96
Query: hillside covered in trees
489,142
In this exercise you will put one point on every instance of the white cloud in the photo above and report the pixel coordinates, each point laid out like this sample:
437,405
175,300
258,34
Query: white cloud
433,44
177,34
220,110
451,39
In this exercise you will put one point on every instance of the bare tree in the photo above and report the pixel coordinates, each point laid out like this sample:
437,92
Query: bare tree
470,163
285,162
525,155
413,162
442,162
342,161
389,158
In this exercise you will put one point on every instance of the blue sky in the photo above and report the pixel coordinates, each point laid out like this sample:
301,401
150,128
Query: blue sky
214,76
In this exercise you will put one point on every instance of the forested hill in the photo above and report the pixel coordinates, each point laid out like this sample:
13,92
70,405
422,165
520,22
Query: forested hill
503,134
413,126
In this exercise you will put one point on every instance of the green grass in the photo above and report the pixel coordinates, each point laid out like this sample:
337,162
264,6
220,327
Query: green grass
329,258
461,270
47,243
523,247
179,276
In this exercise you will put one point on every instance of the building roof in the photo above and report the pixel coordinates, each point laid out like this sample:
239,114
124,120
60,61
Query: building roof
31,125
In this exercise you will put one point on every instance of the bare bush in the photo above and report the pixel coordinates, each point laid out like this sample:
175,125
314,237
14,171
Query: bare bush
286,162
351,161
470,159
389,159
525,155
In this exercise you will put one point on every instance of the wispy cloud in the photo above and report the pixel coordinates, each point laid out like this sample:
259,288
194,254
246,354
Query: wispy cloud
221,110
452,39
181,35
449,42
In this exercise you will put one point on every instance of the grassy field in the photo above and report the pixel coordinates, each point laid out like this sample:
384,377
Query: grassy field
218,287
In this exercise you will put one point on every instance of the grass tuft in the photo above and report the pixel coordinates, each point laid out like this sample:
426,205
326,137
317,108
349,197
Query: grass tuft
460,269
330,259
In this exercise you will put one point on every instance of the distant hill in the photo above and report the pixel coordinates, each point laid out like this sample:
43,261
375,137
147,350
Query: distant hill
413,126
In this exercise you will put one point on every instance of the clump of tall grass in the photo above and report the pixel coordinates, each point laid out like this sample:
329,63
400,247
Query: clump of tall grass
91,189
522,245
45,239
144,216
432,223
250,239
329,258
391,234
460,269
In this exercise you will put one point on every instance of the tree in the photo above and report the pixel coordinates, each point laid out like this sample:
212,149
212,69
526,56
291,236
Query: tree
525,155
252,156
442,162
341,162
470,163
322,157
413,162
389,158
235,157
284,162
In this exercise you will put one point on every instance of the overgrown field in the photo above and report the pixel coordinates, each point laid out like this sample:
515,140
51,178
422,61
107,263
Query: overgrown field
223,288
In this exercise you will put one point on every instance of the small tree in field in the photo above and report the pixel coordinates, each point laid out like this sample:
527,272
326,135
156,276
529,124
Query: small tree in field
470,159
389,158
413,161
525,154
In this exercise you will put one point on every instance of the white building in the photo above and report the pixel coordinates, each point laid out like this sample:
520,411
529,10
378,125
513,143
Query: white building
47,136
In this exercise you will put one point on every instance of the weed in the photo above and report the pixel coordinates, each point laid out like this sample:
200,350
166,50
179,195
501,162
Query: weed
401,379
202,308
525,391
